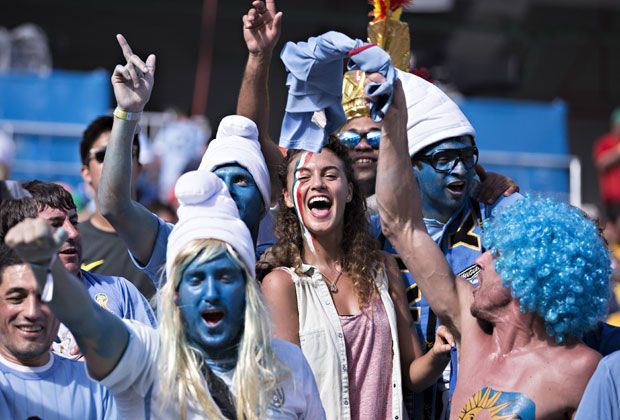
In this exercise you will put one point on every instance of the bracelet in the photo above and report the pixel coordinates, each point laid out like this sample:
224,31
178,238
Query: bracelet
126,115
47,293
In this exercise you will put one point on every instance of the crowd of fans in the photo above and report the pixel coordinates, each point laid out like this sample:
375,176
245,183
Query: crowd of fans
374,270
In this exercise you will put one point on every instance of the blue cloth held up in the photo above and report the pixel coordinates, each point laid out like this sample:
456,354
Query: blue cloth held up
315,72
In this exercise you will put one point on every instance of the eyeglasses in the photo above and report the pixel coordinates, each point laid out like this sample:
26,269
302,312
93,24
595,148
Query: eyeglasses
99,154
444,161
352,138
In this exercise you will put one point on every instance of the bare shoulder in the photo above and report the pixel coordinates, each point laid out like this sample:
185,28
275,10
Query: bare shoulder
278,281
582,359
281,299
582,362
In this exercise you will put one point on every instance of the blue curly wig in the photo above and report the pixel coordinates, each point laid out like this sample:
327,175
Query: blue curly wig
554,260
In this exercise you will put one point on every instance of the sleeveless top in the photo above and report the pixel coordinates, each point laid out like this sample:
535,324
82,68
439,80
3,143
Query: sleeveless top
368,341
323,343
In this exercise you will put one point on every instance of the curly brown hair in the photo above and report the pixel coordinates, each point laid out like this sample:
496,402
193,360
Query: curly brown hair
361,255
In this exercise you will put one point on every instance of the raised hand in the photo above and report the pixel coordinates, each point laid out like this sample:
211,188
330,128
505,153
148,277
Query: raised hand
34,241
261,27
133,82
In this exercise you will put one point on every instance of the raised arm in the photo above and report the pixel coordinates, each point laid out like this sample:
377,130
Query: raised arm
101,336
400,209
261,30
136,225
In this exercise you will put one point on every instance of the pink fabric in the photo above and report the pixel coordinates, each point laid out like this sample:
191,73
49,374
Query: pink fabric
369,357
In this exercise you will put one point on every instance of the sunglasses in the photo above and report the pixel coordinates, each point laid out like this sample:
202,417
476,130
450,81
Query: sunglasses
99,154
352,138
444,161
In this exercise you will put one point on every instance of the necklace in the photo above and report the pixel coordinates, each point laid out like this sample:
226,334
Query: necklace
332,285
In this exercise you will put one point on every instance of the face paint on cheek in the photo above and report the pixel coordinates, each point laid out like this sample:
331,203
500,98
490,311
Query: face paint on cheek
298,201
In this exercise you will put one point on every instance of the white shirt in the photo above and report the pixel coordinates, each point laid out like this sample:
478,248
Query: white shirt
322,342
133,382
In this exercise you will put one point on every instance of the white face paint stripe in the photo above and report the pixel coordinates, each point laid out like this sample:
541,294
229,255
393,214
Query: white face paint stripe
297,202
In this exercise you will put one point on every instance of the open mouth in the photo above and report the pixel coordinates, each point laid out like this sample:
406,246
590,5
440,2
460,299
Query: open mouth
320,206
213,317
68,251
457,187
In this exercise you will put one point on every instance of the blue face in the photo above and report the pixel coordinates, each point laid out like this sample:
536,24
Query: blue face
245,192
211,298
444,193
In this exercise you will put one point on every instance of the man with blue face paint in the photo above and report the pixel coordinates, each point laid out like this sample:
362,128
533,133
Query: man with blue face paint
212,355
234,155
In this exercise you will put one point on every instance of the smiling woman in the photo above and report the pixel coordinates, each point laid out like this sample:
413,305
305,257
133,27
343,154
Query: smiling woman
333,293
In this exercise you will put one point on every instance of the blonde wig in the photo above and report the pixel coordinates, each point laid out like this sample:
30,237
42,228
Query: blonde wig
258,369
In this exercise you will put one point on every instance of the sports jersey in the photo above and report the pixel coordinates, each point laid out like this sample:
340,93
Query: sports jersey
115,294
60,389
460,239
134,384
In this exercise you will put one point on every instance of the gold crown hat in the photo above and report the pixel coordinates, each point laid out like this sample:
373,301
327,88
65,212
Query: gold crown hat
388,32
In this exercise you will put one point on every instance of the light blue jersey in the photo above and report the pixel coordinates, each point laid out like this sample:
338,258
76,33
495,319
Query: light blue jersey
57,391
115,294
601,400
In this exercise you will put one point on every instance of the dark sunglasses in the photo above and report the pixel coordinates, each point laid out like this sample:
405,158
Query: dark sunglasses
352,138
99,154
444,161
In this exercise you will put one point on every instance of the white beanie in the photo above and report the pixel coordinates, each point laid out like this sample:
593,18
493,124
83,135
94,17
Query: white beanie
207,212
236,141
431,115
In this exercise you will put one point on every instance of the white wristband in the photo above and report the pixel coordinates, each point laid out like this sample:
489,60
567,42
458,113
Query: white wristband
126,115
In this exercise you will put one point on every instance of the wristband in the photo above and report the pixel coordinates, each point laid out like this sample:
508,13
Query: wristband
48,289
126,115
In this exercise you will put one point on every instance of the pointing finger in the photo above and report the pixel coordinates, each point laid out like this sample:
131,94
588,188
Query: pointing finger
271,6
124,46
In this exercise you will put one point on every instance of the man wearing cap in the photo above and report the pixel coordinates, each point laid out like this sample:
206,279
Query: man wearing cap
234,155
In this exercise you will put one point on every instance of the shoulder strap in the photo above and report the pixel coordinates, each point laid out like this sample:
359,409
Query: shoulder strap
220,393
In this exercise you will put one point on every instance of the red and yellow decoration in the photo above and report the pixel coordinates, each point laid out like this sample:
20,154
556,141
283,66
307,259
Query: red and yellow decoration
387,31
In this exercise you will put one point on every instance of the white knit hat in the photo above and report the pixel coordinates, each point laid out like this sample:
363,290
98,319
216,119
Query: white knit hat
236,141
207,212
432,115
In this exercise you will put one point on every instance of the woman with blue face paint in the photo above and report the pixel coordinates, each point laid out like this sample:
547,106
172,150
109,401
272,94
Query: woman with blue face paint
212,355
333,293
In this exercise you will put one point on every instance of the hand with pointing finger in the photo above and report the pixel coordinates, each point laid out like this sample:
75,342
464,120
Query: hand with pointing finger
34,241
133,82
